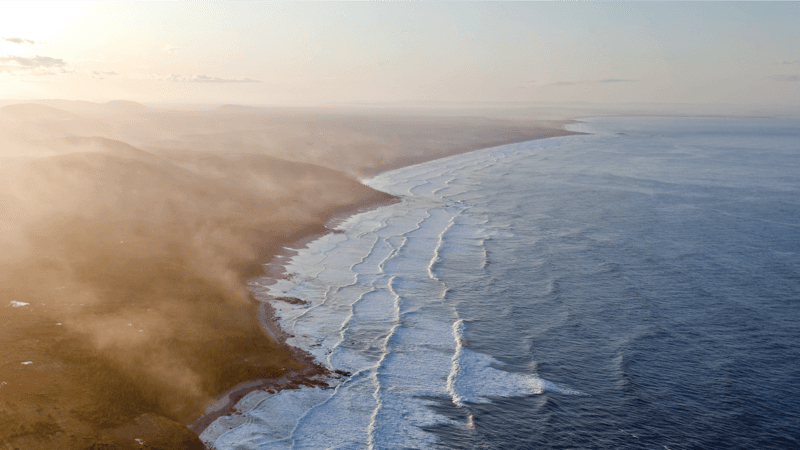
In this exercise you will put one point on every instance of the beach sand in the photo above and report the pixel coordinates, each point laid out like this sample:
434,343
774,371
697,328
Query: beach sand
129,233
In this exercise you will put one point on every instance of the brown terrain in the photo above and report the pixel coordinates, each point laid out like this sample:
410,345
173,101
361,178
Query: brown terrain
126,237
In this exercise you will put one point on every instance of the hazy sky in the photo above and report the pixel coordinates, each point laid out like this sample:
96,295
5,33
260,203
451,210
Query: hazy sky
317,53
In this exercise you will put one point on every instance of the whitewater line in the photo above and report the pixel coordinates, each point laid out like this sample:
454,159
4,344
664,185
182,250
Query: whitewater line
376,393
435,257
395,251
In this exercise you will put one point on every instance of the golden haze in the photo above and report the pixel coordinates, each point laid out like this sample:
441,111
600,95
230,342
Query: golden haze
128,234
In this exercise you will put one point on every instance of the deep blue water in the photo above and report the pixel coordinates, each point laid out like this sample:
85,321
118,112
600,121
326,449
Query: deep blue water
633,288
657,271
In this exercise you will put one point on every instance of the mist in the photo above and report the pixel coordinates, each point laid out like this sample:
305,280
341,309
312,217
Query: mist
128,234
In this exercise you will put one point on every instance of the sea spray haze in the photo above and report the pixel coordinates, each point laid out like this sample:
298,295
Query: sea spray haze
127,234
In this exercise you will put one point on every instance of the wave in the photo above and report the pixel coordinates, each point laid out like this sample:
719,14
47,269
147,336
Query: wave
369,302
474,378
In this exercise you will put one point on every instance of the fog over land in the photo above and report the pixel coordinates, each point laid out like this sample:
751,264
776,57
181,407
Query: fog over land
129,232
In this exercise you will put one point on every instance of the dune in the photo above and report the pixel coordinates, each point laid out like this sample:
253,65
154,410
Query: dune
126,251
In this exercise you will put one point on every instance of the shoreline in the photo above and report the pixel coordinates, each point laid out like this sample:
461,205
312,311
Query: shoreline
273,267
136,286
544,133
312,374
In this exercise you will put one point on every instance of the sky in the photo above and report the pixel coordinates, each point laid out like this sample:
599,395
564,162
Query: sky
310,54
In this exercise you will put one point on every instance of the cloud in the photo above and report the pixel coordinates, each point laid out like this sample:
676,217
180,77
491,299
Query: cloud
20,41
617,80
35,62
169,49
33,65
100,75
189,78
564,83
792,62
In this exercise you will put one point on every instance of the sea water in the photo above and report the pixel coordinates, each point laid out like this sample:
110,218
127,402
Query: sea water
636,287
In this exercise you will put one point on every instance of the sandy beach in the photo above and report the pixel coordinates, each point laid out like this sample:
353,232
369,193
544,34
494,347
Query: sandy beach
129,239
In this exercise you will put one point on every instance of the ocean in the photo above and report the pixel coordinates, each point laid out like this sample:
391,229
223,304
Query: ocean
636,287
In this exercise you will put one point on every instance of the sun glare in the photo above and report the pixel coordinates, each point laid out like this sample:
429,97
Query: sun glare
39,21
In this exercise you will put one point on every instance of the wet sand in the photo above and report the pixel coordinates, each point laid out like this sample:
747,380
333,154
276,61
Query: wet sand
127,243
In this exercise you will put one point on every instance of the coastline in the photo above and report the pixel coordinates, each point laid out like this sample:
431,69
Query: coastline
135,302
273,267
516,138
262,408
312,374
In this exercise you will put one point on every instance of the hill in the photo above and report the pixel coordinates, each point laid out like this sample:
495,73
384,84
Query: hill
92,108
32,112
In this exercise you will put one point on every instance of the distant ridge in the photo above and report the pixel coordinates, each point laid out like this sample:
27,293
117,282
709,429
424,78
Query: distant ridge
32,111
73,106
84,107
125,106
99,144
237,108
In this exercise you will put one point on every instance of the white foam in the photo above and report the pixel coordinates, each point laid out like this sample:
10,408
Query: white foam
374,305
473,377
16,304
270,421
